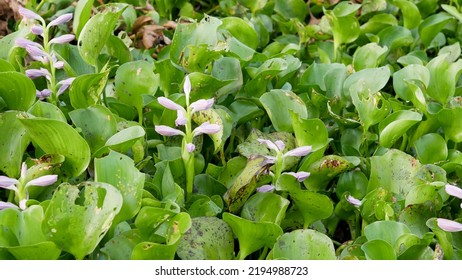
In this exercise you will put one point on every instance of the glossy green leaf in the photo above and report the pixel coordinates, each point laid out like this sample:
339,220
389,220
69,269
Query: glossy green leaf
431,148
241,30
396,125
97,124
47,110
209,238
402,77
372,107
252,235
425,193
53,137
17,91
123,140
96,32
431,26
256,208
119,171
291,9
443,73
411,14
452,129
345,27
388,231
395,37
369,80
369,56
13,143
120,247
278,104
76,220
81,15
310,132
304,244
378,250
86,90
313,206
5,66
154,251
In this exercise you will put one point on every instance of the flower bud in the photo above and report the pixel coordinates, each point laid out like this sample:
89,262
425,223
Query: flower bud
167,130
61,19
180,118
43,181
63,39
169,104
269,144
300,176
64,84
201,105
28,14
5,205
448,225
453,190
265,188
43,94
190,147
354,201
298,152
37,29
36,73
206,128
187,87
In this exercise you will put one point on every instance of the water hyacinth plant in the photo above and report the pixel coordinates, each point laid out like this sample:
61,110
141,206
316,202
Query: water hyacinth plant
202,130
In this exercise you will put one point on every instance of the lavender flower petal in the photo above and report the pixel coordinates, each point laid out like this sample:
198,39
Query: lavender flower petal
43,181
64,84
37,29
201,104
270,159
8,183
167,130
5,205
180,118
356,202
453,190
59,64
298,152
169,104
28,14
300,176
448,225
281,146
36,51
61,19
22,204
63,39
23,43
269,144
265,188
36,73
206,128
23,170
43,94
190,147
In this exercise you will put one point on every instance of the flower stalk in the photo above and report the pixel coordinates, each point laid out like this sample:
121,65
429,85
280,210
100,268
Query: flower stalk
184,118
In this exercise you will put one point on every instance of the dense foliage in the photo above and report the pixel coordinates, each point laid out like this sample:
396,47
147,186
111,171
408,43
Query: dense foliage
234,129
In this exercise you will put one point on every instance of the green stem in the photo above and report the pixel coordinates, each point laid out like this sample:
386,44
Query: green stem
264,253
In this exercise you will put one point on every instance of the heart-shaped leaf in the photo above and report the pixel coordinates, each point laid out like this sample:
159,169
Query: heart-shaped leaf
17,91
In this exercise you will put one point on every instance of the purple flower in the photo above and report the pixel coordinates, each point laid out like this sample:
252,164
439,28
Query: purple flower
43,181
298,152
36,73
448,225
43,94
60,20
356,202
5,205
265,188
23,43
281,146
37,53
180,118
8,183
269,144
300,176
64,84
202,104
206,128
63,39
28,14
453,190
37,29
169,104
190,147
167,130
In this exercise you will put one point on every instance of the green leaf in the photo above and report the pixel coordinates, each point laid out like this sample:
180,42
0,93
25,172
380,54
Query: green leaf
394,171
396,125
431,26
5,66
120,171
209,238
256,208
416,216
403,77
372,107
241,30
216,116
135,79
17,91
370,80
443,74
252,235
47,110
378,250
97,124
77,220
411,14
278,105
291,9
13,143
388,231
123,140
304,244
452,129
96,32
369,56
311,132
245,184
395,37
120,247
431,148
86,90
53,137
81,15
